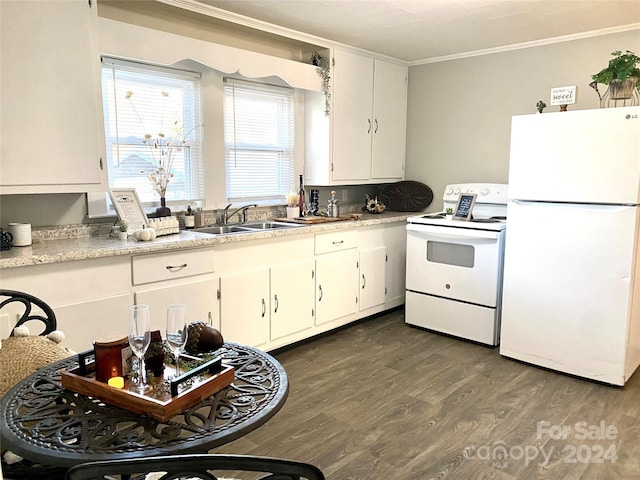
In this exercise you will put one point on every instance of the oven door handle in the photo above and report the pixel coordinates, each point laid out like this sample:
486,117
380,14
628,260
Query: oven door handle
446,232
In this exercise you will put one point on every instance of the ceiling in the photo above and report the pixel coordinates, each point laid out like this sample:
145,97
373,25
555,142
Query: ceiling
422,30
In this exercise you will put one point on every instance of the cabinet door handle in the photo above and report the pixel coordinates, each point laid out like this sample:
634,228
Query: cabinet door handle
320,288
176,268
338,243
210,317
376,129
369,129
364,281
275,299
264,308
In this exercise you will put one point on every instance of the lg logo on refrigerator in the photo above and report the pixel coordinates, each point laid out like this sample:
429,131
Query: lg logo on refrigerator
629,116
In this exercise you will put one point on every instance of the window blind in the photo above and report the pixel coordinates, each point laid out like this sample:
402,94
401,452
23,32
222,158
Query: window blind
163,103
259,141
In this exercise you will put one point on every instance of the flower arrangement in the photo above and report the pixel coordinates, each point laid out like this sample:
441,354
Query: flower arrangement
162,148
292,199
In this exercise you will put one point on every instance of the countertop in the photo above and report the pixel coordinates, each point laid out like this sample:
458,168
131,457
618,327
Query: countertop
100,246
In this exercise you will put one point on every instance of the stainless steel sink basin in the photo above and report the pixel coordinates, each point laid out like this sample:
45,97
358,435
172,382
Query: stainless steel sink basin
222,229
244,228
269,225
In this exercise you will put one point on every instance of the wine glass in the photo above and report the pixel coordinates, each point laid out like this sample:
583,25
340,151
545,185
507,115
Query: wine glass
139,339
176,330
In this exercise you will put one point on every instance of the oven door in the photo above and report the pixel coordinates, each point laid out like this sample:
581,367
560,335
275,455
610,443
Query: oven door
457,263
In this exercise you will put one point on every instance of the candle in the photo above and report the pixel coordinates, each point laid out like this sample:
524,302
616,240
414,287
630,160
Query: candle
116,382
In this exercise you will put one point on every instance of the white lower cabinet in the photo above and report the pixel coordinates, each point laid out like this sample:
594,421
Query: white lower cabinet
244,307
199,294
89,297
266,293
382,266
336,285
292,299
395,238
267,290
372,277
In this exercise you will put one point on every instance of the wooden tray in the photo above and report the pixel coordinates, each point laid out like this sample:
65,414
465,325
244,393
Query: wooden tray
208,378
312,220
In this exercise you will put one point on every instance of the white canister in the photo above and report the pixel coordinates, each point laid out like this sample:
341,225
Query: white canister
293,212
21,233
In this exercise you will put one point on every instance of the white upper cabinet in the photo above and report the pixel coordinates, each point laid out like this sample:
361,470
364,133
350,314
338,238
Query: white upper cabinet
51,130
352,116
367,129
389,121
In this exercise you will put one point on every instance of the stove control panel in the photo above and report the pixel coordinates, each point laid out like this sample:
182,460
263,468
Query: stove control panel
486,192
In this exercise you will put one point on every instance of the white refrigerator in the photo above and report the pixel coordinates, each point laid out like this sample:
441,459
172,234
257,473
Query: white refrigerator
571,299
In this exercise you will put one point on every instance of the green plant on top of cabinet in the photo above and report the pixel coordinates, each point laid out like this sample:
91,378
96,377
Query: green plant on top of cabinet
51,102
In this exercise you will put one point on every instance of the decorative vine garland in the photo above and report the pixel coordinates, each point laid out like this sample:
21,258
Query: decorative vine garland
324,70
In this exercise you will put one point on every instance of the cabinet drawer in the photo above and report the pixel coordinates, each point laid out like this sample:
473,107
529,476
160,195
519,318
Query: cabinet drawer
335,241
169,266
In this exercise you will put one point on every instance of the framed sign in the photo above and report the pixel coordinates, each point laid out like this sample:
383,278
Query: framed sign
563,95
464,207
127,204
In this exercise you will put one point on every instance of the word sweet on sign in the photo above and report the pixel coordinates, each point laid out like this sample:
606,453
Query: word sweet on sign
563,95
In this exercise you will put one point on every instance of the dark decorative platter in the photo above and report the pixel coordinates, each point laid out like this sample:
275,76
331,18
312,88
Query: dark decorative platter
406,196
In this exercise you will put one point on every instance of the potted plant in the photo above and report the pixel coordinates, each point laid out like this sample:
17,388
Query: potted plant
621,74
122,234
449,213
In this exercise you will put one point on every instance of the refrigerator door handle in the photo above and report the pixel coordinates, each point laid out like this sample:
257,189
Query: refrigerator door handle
617,207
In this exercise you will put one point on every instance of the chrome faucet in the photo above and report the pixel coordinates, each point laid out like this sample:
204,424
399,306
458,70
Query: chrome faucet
226,215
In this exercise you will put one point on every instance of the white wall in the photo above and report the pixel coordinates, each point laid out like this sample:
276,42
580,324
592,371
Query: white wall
459,111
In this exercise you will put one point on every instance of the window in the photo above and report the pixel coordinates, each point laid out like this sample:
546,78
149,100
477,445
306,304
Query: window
163,104
259,141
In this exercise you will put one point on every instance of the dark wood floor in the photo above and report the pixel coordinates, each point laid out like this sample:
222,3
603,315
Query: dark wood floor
382,400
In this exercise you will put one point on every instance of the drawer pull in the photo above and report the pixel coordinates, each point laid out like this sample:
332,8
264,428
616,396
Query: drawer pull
176,268
338,243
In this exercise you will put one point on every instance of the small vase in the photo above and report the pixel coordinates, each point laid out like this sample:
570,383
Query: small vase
293,212
163,210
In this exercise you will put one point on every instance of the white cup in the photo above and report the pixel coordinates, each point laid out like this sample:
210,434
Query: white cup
21,233
293,212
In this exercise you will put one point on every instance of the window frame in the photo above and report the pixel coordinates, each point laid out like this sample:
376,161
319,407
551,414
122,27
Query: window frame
264,150
192,170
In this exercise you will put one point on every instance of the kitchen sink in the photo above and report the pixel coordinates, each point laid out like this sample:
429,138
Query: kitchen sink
244,228
222,229
269,225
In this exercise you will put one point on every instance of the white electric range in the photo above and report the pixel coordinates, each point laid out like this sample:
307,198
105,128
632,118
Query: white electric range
455,267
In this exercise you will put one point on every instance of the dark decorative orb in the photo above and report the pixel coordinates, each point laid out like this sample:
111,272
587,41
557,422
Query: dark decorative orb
203,338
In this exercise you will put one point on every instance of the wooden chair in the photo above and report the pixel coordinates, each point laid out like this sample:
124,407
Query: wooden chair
28,301
196,467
